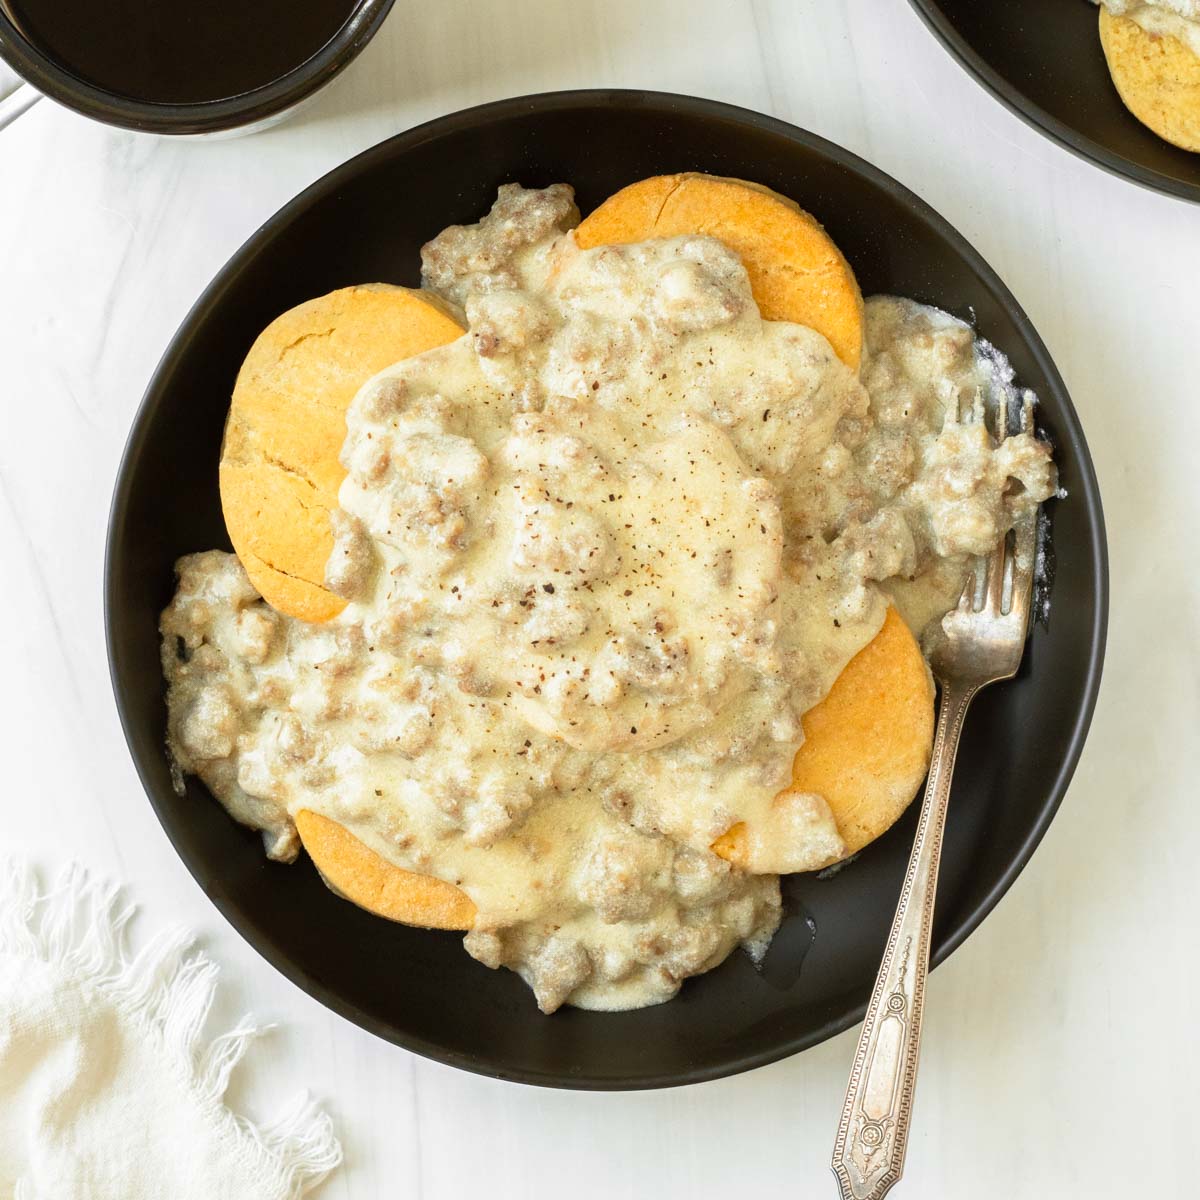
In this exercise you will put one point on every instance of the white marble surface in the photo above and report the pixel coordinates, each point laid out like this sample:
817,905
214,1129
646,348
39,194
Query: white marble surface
1061,1049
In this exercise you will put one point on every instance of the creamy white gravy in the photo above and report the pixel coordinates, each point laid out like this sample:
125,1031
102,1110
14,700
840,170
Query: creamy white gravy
1167,18
601,554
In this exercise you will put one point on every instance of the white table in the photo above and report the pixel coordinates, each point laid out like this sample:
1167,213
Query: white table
1061,1047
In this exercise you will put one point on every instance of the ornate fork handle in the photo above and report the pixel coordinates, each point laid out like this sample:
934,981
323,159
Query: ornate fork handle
868,1156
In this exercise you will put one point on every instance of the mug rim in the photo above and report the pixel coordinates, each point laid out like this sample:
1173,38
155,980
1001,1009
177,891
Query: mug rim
52,79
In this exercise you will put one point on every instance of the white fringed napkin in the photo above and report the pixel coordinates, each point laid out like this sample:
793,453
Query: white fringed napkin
107,1091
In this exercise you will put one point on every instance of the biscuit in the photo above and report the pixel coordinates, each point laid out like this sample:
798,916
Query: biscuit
796,271
867,744
1157,78
359,874
279,472
866,752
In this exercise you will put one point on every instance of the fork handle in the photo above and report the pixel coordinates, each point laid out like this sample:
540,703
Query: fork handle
872,1137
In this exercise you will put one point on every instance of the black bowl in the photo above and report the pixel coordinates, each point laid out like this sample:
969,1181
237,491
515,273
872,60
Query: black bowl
1043,59
248,112
366,221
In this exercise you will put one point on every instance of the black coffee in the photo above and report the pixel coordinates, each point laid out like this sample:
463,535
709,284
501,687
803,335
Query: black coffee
179,51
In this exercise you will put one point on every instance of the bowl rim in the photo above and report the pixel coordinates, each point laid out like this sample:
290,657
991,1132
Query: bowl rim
1038,118
40,69
1088,493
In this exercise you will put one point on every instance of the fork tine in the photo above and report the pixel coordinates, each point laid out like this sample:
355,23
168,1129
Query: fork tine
966,602
1027,413
1024,562
993,597
1002,418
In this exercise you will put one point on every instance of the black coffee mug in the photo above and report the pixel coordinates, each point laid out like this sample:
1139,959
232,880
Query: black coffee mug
246,112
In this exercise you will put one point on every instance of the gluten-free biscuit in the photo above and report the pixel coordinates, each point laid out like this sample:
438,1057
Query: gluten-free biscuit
796,271
866,745
1157,78
356,872
279,471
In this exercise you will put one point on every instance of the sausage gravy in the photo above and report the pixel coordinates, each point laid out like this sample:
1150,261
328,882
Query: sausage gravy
600,554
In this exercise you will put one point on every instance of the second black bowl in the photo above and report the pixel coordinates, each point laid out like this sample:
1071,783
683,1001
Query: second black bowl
1042,58
366,221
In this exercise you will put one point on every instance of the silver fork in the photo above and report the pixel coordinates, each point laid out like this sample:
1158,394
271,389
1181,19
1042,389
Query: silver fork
980,642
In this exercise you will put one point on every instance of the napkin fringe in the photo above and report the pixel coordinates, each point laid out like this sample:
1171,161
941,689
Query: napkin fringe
80,925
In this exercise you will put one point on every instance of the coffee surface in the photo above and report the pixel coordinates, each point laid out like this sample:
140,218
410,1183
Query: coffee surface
174,52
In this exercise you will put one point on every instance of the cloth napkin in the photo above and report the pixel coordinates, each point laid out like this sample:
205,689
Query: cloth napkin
108,1088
